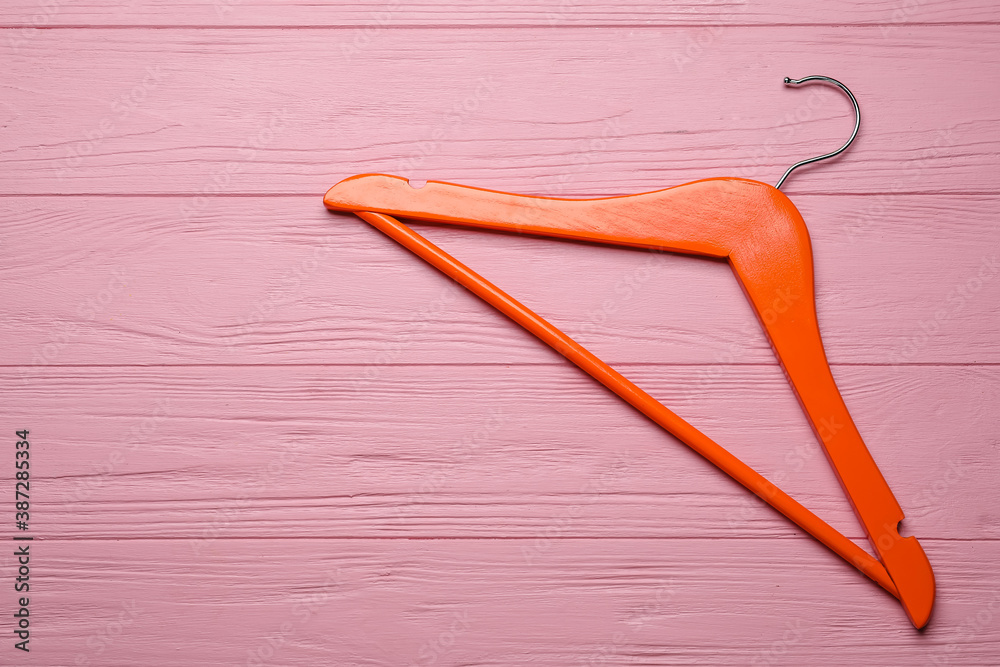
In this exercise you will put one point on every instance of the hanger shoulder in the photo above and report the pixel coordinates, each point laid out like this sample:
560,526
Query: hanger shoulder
699,215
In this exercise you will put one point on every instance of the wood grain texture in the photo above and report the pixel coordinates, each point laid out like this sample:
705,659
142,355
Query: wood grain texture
205,113
264,435
382,14
477,602
237,451
327,289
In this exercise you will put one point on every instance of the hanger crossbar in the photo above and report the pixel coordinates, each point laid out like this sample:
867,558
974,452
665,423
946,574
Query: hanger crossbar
634,396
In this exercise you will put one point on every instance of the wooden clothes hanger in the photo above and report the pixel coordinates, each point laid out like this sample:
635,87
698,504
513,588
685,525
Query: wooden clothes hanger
762,235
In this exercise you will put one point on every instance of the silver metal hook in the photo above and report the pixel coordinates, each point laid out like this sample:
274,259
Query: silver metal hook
857,122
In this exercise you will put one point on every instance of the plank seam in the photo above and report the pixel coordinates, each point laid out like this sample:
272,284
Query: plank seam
483,26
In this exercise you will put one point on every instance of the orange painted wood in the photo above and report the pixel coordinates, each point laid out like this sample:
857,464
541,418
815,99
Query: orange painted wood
765,240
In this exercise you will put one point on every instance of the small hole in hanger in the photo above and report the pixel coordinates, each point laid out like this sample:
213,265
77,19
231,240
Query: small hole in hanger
416,184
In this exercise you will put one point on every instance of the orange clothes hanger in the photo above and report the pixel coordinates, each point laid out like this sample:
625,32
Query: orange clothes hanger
758,230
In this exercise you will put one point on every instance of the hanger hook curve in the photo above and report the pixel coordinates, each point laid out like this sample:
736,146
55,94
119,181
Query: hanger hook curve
857,122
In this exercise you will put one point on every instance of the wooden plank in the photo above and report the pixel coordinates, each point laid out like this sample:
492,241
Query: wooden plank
205,113
264,435
211,453
421,602
377,15
280,280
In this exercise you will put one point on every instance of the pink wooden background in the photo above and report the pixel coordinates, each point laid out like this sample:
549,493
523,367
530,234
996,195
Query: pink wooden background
264,434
